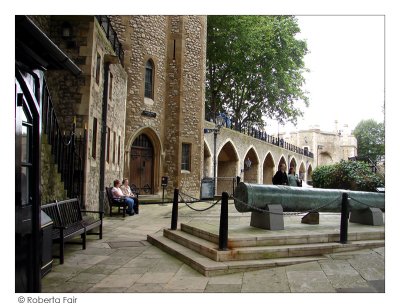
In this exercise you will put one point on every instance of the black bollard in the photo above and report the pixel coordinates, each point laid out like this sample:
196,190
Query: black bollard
174,216
223,223
344,218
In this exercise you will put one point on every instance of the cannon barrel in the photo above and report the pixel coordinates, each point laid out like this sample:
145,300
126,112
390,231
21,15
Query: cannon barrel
250,197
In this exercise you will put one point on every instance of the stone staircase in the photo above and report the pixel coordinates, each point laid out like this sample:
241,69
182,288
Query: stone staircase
197,246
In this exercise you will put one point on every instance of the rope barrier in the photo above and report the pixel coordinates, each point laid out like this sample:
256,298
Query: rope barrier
197,210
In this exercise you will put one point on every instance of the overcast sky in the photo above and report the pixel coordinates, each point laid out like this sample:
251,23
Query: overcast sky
346,63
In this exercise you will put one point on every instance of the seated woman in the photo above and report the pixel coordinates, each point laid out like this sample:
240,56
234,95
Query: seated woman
117,194
126,190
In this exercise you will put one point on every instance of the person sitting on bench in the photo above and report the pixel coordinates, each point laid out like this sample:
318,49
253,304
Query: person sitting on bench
126,190
117,194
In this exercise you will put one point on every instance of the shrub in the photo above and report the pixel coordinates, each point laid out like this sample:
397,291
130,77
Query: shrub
353,175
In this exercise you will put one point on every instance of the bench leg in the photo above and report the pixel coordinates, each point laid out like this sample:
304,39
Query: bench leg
62,250
83,237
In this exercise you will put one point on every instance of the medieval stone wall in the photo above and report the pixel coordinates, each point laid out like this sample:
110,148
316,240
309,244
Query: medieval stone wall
115,124
176,46
335,147
193,99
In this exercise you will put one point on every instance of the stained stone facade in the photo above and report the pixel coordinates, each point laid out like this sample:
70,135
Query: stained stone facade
333,146
173,116
169,121
81,99
149,110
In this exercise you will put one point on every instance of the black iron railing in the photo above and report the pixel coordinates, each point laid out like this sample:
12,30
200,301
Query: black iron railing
68,150
111,35
262,135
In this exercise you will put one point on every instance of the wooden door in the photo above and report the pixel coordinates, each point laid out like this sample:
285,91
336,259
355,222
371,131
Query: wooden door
141,165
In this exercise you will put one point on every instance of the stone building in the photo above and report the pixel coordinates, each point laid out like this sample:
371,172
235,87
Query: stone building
328,147
139,101
165,60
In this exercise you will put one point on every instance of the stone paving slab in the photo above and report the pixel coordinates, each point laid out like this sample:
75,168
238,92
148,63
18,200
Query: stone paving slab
309,281
146,269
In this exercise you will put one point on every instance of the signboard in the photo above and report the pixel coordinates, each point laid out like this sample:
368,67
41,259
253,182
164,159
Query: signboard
149,114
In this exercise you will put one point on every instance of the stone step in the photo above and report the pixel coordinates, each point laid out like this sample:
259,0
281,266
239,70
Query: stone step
268,238
210,249
208,267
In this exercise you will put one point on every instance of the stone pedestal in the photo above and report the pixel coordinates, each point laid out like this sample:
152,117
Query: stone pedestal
311,218
268,221
369,216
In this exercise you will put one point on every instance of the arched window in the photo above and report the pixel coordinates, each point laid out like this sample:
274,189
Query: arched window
148,81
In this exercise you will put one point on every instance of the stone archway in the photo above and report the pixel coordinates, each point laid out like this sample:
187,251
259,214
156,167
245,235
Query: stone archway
227,168
268,169
302,171
282,161
142,165
143,161
309,174
293,164
250,173
207,162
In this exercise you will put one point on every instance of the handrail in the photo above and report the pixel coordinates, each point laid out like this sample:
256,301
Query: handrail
68,151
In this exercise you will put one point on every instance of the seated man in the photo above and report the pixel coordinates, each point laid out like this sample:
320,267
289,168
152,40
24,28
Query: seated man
117,194
126,190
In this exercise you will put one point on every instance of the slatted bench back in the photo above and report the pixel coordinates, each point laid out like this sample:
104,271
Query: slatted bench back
69,211
51,210
109,195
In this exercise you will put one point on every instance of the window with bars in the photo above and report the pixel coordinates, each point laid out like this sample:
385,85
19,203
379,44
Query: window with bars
98,65
94,138
110,86
114,146
148,81
108,145
119,150
186,154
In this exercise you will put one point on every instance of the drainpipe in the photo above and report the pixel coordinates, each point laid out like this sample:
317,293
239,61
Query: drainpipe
103,137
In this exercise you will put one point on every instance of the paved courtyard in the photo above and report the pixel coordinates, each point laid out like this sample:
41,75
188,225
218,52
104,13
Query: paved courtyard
124,262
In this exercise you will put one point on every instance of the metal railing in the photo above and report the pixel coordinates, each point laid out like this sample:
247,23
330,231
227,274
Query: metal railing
263,136
68,150
111,35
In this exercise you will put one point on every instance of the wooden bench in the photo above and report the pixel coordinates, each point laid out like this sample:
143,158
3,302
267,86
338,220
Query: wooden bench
70,221
115,202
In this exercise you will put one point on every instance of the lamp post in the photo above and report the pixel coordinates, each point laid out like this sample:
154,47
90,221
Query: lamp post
319,147
219,121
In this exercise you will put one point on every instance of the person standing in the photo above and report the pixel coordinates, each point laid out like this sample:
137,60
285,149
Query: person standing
280,177
292,177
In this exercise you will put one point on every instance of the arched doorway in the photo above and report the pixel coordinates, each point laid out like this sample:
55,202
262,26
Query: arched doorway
207,159
142,165
227,168
268,169
309,175
250,164
302,171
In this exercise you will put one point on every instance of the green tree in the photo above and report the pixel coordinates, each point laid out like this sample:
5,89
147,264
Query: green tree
353,175
370,137
254,68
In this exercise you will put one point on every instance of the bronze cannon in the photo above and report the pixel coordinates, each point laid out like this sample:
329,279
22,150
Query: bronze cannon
250,197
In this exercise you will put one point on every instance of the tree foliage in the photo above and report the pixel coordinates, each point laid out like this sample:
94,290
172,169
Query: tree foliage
254,68
370,137
353,175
